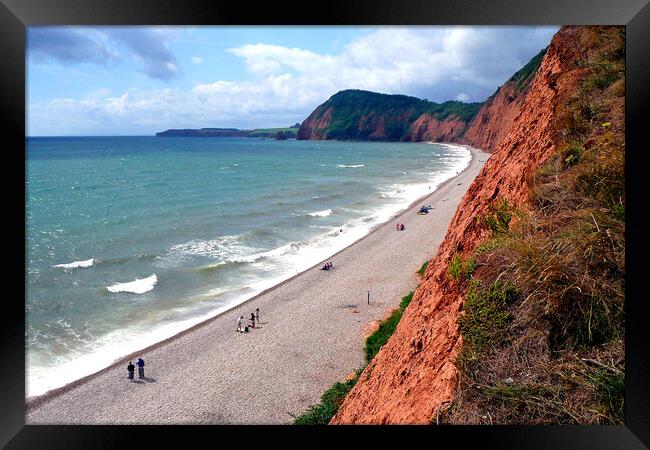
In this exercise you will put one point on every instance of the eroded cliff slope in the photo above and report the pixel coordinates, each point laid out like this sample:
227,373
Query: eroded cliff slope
414,374
495,118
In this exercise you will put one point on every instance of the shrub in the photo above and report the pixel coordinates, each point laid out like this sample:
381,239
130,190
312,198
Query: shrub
423,268
486,316
571,155
498,216
455,266
461,269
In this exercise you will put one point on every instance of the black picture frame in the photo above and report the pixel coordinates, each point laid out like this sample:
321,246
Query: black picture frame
16,15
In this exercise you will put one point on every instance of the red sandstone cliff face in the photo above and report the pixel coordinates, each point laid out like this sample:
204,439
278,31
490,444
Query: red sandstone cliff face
495,118
374,126
413,375
315,126
428,128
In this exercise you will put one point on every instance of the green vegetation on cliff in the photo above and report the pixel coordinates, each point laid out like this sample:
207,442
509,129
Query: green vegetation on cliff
525,75
543,327
378,339
290,132
357,114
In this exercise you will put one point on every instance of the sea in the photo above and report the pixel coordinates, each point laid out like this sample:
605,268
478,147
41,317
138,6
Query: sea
131,240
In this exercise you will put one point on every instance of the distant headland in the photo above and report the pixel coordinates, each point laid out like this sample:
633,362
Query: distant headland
276,133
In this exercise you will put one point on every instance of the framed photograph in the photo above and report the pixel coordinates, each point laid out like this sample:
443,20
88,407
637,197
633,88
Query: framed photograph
360,215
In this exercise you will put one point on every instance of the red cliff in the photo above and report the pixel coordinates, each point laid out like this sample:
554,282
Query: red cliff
428,128
414,374
315,126
493,121
496,116
363,115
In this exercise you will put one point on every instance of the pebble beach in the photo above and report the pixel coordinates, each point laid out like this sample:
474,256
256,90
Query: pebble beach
311,334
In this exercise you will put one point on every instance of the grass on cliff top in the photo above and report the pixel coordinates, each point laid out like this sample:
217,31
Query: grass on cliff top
554,352
525,75
331,400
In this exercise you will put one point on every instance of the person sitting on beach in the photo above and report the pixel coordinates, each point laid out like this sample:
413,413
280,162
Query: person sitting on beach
397,227
131,370
330,265
401,227
325,267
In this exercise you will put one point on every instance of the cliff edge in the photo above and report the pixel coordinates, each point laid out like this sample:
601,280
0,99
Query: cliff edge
415,374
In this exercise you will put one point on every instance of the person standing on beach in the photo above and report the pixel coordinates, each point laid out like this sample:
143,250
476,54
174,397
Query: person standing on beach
252,320
131,369
257,315
239,323
140,364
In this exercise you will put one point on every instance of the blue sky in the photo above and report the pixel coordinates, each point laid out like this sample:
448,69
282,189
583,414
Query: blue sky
139,80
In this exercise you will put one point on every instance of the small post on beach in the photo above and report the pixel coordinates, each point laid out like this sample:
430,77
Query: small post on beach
368,297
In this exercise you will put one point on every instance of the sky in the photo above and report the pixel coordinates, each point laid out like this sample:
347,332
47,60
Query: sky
129,80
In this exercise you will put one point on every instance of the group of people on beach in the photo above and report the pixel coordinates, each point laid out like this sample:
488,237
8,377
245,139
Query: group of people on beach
255,317
327,266
400,227
131,369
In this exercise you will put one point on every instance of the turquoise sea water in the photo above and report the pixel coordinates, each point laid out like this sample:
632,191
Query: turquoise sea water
133,239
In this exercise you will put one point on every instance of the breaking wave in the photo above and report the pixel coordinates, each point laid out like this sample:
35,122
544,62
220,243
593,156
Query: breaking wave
74,265
324,213
139,286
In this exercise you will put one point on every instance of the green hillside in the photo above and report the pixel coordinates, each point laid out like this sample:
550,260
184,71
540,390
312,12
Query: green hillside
398,112
289,132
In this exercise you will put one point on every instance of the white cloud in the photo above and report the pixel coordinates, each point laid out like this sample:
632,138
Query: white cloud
196,60
264,60
437,63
